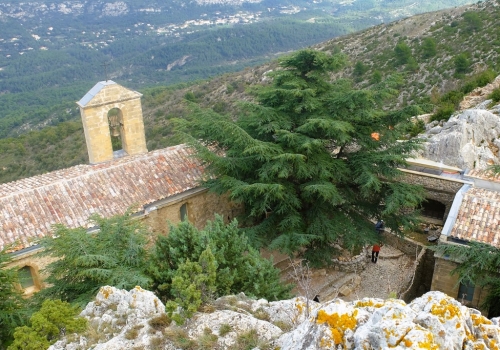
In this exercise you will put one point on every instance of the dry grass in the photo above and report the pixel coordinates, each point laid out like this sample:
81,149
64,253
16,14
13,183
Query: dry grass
224,329
160,322
132,333
261,314
179,337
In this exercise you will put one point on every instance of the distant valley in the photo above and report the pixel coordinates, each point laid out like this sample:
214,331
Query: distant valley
52,52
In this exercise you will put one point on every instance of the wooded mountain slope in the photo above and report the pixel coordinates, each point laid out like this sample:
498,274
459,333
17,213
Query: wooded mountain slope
433,54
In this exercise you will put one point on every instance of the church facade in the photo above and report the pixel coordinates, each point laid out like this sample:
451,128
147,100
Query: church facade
157,187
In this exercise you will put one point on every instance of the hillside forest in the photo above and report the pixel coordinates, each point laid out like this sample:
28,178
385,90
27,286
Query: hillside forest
437,57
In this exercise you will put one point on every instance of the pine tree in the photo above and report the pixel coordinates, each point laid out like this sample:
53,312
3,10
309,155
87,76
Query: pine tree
12,313
312,160
115,255
239,267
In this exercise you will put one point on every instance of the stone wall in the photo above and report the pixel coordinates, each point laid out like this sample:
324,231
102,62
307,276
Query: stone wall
432,182
354,264
422,282
201,207
36,265
444,281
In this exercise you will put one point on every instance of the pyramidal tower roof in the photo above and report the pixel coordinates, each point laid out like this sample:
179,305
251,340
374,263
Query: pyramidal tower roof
99,94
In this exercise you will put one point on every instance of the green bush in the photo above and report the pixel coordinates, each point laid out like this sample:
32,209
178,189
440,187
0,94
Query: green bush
495,95
443,112
453,97
462,63
417,128
116,255
55,318
239,267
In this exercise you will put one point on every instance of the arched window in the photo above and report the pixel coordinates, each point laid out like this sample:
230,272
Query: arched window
184,212
25,277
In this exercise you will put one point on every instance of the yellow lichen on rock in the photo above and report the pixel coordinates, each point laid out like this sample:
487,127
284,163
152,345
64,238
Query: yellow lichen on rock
428,343
368,303
106,291
445,310
479,319
408,343
338,323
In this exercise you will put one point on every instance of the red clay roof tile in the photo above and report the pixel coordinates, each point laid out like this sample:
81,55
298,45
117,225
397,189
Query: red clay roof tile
478,218
29,207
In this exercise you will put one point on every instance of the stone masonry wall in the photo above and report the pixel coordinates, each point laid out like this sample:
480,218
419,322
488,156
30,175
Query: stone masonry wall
444,281
354,264
201,208
422,281
433,182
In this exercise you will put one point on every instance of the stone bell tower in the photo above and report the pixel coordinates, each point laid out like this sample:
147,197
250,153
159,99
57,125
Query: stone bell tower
109,113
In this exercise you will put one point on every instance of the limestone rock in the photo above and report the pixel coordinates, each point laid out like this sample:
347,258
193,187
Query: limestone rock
123,320
468,140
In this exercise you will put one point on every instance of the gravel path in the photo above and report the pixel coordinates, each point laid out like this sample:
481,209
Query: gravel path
386,278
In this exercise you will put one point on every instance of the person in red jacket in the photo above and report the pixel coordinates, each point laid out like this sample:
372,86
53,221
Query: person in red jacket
375,251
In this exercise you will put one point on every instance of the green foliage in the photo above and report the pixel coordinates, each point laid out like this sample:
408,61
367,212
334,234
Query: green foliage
495,95
472,21
402,52
115,255
443,112
428,48
189,96
12,314
55,318
478,263
193,283
304,162
239,267
360,69
416,128
462,63
376,77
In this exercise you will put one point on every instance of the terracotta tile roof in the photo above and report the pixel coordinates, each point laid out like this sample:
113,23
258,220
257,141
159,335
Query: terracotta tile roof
478,218
29,207
484,175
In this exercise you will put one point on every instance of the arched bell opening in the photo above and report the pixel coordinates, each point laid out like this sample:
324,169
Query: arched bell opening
115,121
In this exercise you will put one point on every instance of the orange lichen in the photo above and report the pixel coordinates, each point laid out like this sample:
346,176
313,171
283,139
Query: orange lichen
300,307
338,323
326,343
106,292
458,325
479,319
361,303
408,343
428,343
445,311
469,335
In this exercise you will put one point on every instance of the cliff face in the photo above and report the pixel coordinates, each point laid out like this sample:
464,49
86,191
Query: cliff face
470,139
130,320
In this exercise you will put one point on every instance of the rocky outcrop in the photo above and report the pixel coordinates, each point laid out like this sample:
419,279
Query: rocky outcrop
136,320
468,140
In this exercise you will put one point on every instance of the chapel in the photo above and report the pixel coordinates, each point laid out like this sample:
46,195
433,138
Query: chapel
157,187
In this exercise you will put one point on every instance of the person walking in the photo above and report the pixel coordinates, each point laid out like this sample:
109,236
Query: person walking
379,226
375,251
